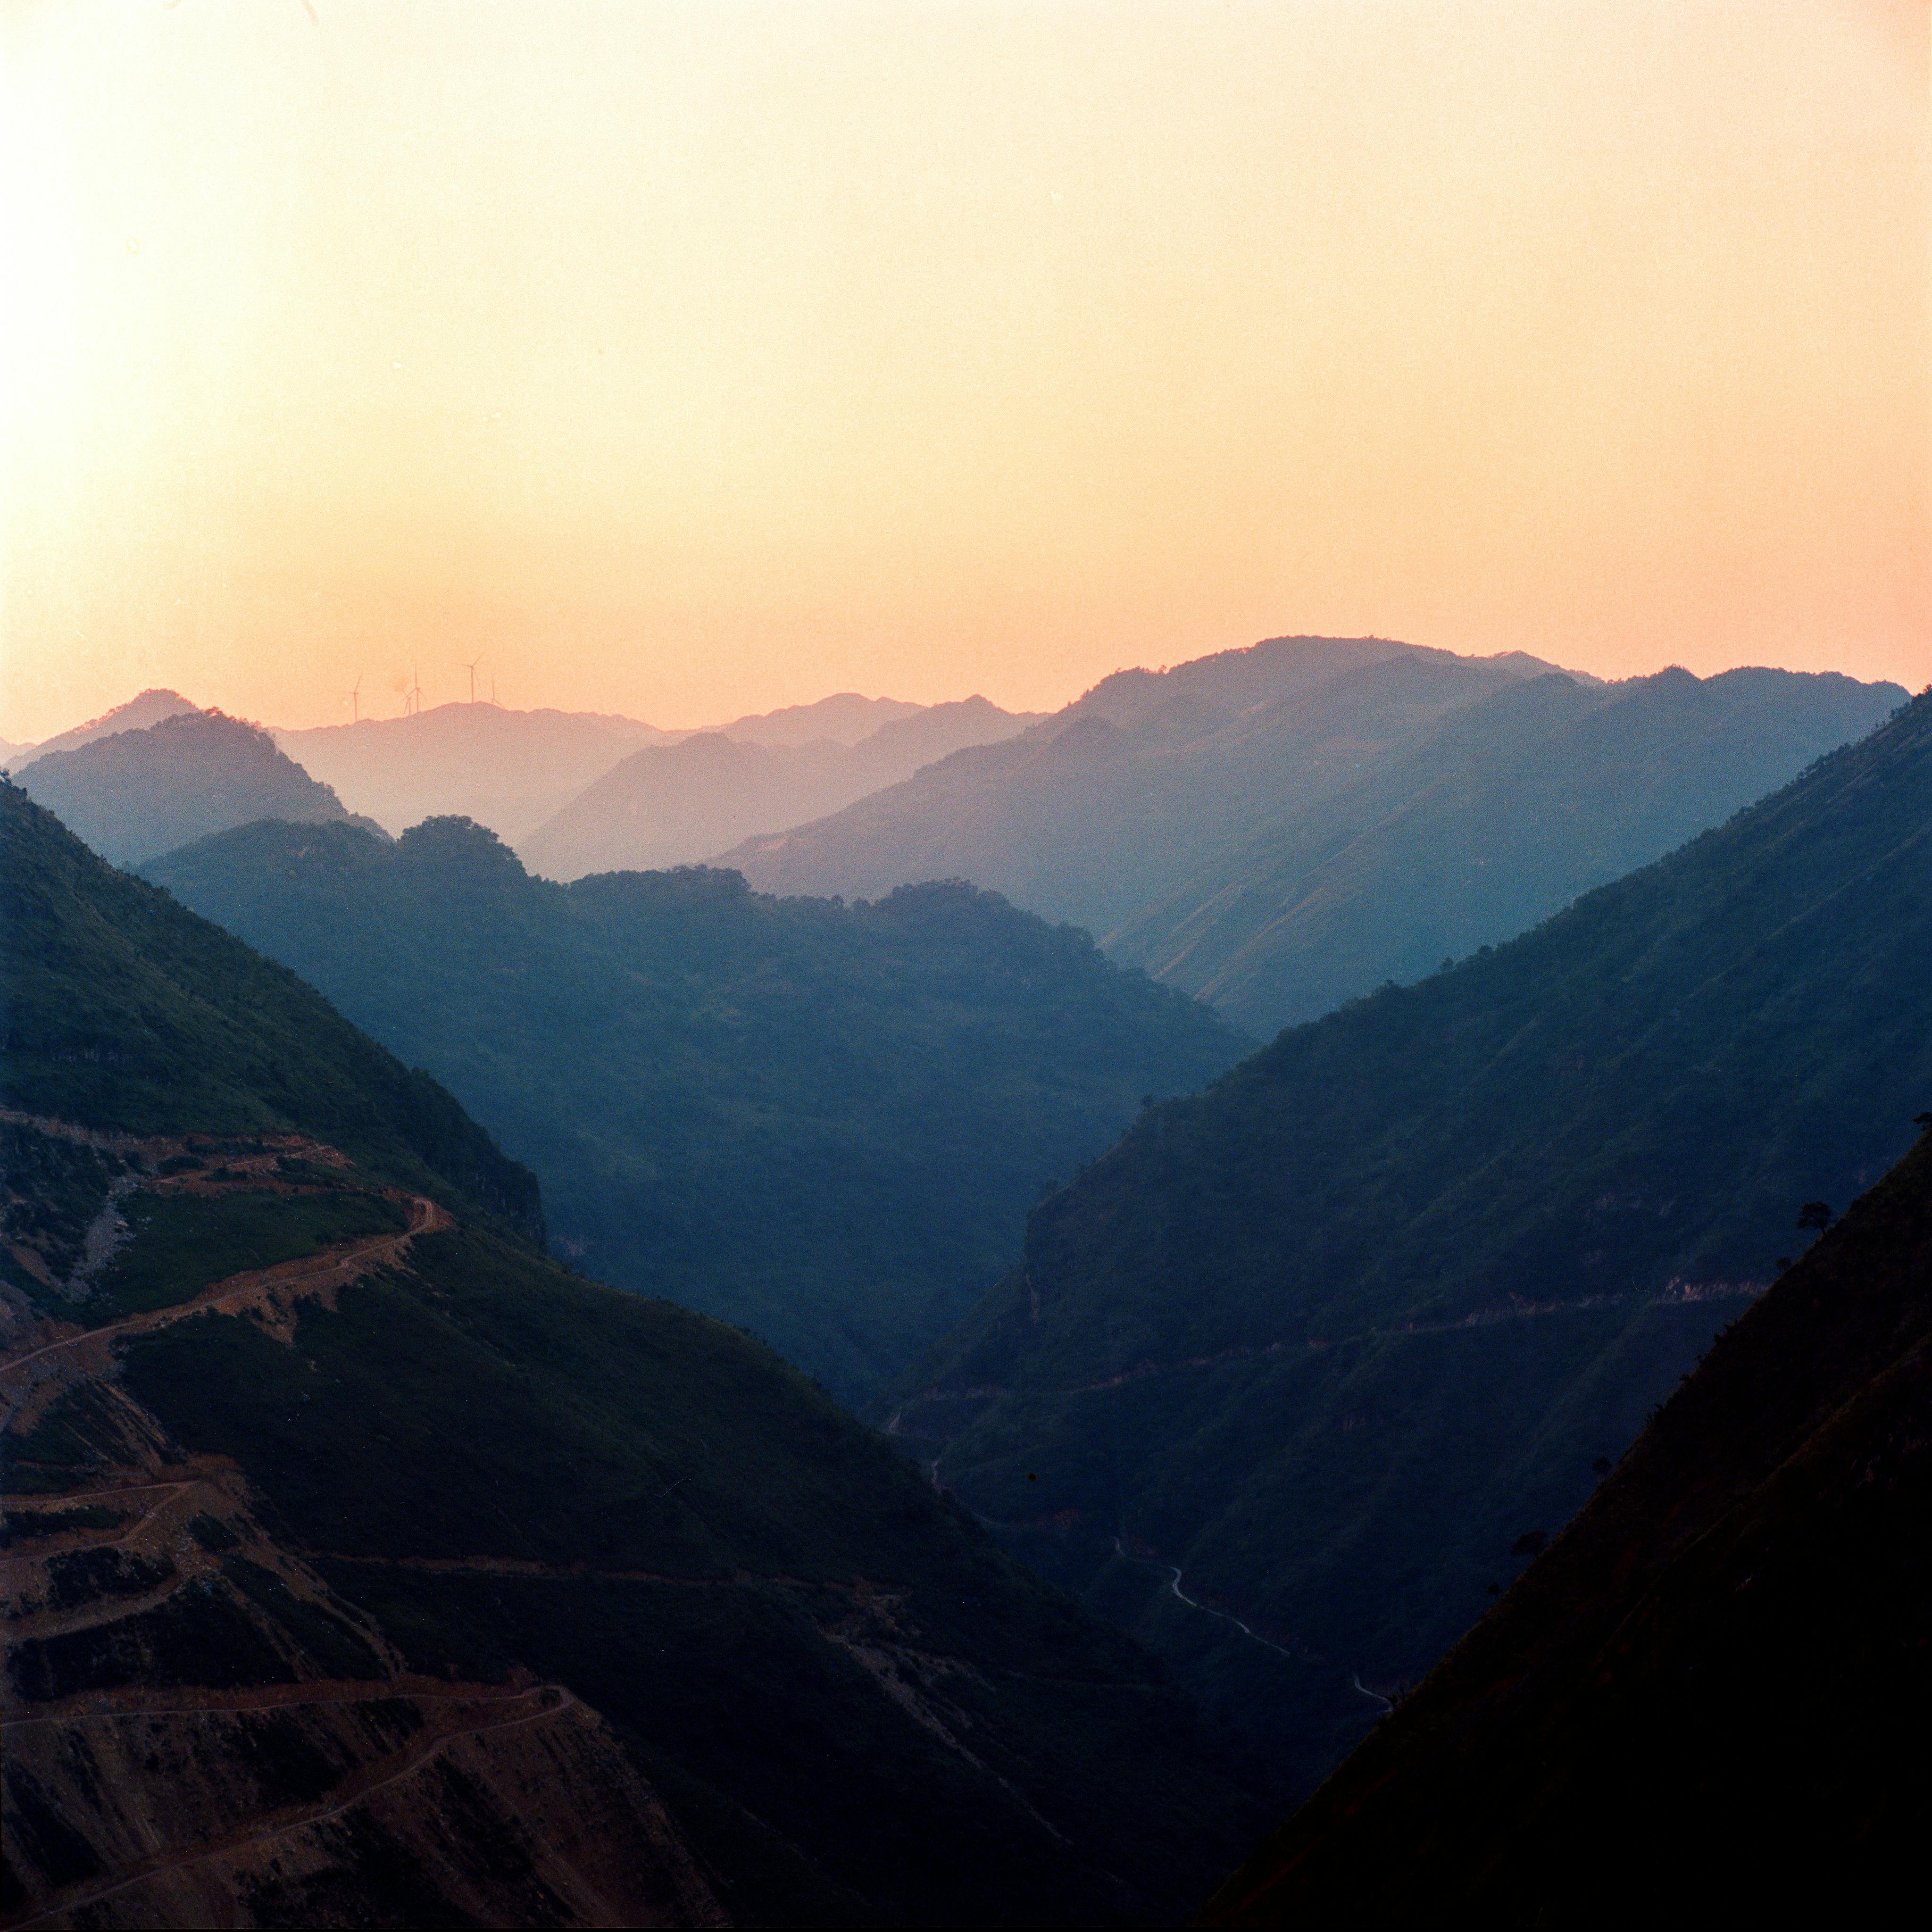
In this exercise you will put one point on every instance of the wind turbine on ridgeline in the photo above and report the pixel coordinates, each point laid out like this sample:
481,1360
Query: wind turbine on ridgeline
471,668
413,697
356,702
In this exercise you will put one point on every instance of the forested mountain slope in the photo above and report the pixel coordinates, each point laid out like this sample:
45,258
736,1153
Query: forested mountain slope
133,794
1501,815
826,1123
1712,1689
1333,1336
1117,800
362,1567
672,804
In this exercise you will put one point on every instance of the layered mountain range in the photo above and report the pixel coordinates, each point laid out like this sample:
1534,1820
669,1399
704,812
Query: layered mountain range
824,1123
670,804
1124,793
363,1567
1494,818
507,770
1310,1359
575,791
147,709
1318,1349
1277,829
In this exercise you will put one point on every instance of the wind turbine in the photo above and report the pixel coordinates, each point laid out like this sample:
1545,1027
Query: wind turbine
413,697
471,668
356,703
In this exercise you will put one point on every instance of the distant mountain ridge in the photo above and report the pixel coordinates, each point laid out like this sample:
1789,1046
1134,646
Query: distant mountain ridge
843,719
1332,1336
507,770
1499,815
1277,829
1125,794
675,804
136,793
515,771
136,714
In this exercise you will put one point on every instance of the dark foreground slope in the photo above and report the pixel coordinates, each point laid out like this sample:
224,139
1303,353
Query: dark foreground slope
362,1566
825,1123
1713,1690
1503,814
135,793
1333,1336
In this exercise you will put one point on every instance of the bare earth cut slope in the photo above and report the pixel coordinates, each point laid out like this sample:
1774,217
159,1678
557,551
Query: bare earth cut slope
364,1567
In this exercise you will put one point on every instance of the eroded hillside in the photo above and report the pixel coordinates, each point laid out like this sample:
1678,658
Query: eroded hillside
198,1729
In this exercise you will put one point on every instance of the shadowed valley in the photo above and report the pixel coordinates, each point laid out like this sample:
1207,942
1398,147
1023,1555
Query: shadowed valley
364,1566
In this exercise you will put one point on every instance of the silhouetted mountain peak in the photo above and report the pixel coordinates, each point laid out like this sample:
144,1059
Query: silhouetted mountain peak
131,794
149,708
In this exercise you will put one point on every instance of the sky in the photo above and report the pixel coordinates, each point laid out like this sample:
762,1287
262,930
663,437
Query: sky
689,360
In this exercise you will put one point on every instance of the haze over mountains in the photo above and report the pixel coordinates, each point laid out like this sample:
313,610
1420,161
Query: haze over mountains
1281,827
363,1567
1332,1336
149,708
515,771
675,804
1127,791
507,770
1283,1374
824,1123
1495,818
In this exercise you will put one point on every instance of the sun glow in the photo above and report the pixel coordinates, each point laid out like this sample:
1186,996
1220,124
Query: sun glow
690,360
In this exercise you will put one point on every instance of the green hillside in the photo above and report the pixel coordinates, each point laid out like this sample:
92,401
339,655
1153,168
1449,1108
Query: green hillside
1712,1689
824,1123
1333,1336
421,1573
121,1012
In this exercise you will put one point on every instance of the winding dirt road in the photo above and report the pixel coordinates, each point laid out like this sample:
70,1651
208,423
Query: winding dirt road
288,1282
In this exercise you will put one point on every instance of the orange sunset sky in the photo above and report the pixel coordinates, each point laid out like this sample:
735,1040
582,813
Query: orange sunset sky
686,360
